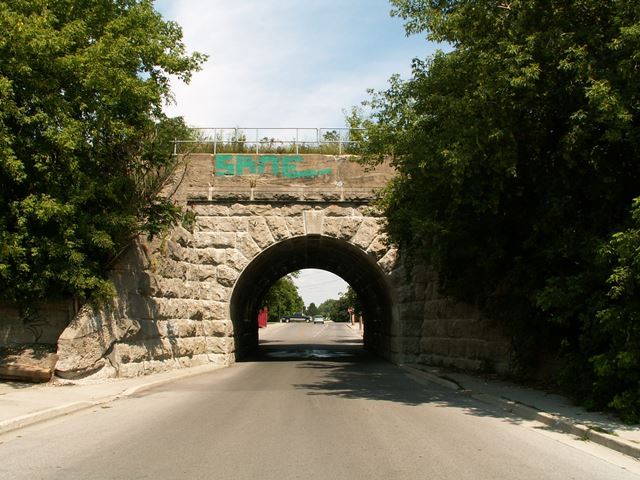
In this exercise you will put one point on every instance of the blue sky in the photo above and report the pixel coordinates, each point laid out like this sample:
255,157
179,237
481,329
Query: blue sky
288,63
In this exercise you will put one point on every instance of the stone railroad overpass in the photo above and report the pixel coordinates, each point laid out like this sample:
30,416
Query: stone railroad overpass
192,297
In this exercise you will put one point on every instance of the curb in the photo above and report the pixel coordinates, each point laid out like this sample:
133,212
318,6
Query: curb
29,419
416,373
562,424
529,413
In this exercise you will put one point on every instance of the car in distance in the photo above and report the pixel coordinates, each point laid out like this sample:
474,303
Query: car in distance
297,317
318,319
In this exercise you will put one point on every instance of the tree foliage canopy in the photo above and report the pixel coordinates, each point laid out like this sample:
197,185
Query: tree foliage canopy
312,309
518,157
283,299
84,145
338,309
326,307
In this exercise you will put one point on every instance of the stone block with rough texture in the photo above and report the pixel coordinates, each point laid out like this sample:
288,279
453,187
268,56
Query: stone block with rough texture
189,297
35,363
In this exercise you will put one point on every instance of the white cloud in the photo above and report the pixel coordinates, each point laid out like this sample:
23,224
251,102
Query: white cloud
316,286
284,63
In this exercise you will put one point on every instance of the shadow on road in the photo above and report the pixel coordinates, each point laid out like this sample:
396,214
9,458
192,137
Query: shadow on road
293,352
339,366
345,370
372,378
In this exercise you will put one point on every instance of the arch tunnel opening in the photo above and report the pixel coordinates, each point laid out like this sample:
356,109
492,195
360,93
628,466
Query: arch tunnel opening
339,257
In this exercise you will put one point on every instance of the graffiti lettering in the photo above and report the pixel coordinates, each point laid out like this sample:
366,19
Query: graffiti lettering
278,165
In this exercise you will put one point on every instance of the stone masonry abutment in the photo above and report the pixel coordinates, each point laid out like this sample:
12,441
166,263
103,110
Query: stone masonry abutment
192,296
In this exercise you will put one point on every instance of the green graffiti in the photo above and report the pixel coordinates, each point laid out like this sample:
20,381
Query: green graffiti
289,165
272,160
245,162
280,165
309,173
224,165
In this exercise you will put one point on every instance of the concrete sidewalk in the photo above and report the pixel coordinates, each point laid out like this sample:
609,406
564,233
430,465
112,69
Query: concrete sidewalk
23,404
553,410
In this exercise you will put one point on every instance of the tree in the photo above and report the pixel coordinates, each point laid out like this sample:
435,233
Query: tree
84,145
326,307
518,153
340,307
312,310
617,367
283,298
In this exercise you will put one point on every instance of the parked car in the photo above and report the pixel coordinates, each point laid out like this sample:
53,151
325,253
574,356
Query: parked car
297,317
318,319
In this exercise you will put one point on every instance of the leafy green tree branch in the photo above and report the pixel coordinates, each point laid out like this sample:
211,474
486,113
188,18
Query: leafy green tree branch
518,154
84,145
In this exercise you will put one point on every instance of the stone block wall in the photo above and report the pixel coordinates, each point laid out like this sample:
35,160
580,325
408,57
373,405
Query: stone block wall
173,303
173,307
168,314
45,328
435,330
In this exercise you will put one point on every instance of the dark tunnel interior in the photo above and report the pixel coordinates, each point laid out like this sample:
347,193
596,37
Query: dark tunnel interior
354,266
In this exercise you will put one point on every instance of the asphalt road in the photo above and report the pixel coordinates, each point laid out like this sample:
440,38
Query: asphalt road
310,405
